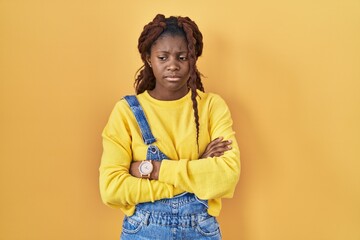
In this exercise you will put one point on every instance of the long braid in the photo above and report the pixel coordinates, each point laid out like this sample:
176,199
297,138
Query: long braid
146,79
181,26
195,80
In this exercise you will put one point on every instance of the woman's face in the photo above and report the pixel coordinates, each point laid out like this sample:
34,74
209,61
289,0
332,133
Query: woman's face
169,61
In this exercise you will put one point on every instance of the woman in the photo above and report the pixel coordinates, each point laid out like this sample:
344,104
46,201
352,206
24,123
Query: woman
170,153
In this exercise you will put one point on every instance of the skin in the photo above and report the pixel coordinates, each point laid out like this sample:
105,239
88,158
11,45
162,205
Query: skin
169,62
170,65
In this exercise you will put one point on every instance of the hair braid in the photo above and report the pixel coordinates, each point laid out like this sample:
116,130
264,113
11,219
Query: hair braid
194,52
145,79
176,26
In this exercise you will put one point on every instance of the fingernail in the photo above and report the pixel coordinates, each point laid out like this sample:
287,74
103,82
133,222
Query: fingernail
229,147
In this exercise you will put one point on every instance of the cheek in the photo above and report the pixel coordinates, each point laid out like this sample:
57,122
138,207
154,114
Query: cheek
187,70
187,67
156,72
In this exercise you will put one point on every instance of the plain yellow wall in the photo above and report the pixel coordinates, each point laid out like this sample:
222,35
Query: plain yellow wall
289,70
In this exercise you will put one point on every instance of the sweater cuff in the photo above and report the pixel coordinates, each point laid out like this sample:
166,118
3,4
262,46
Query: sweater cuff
169,171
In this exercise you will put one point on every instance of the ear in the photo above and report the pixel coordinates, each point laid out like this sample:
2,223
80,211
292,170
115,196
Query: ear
148,59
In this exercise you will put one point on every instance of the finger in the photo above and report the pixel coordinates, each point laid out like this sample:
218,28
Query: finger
214,145
218,139
217,154
219,150
218,142
223,144
214,142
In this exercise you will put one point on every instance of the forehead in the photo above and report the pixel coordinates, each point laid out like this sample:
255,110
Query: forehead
169,43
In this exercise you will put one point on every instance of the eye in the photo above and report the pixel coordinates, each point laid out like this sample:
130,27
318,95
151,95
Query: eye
183,58
161,58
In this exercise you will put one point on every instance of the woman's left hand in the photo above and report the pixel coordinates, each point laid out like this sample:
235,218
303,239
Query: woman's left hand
216,148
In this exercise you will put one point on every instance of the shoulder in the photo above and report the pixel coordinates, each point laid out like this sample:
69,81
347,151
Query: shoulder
121,109
121,105
210,98
125,101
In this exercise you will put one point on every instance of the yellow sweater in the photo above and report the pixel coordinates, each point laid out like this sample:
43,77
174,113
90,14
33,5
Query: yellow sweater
173,125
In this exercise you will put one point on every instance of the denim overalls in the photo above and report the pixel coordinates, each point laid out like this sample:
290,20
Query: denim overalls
181,217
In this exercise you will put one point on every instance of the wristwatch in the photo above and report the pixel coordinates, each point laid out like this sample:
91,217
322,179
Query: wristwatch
146,168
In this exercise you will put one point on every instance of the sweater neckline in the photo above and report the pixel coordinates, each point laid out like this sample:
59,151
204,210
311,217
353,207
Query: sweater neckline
169,103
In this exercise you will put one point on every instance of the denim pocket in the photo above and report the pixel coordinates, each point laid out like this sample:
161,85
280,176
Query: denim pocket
132,224
208,227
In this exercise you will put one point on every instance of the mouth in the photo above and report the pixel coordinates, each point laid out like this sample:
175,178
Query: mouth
172,78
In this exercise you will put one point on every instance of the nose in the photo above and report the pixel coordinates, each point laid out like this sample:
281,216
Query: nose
173,65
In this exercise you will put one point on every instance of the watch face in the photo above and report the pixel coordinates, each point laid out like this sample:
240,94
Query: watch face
145,168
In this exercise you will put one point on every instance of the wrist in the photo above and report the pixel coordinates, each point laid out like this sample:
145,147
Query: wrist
145,169
156,170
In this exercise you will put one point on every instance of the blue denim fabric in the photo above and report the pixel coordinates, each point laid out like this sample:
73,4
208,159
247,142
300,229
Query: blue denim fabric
136,108
181,217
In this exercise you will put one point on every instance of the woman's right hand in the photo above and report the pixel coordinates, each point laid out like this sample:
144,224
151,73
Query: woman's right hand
216,148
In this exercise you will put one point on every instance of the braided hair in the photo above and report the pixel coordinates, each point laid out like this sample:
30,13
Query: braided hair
174,26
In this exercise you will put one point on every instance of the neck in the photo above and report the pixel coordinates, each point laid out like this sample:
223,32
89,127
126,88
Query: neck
167,96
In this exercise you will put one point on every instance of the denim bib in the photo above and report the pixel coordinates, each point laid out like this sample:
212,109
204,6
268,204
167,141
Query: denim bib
182,217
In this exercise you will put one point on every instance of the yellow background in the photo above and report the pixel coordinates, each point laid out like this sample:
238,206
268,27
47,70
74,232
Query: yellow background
289,70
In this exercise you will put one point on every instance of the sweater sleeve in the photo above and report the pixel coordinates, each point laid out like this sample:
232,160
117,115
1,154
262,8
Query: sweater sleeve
117,187
212,177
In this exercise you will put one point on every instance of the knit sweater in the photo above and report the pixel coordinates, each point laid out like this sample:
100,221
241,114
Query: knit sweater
173,125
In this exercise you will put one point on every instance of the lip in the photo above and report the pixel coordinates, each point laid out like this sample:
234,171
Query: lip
172,78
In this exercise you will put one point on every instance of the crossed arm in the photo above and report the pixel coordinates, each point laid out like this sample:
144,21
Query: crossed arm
213,176
215,148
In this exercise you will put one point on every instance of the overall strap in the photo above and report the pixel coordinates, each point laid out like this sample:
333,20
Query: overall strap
136,108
